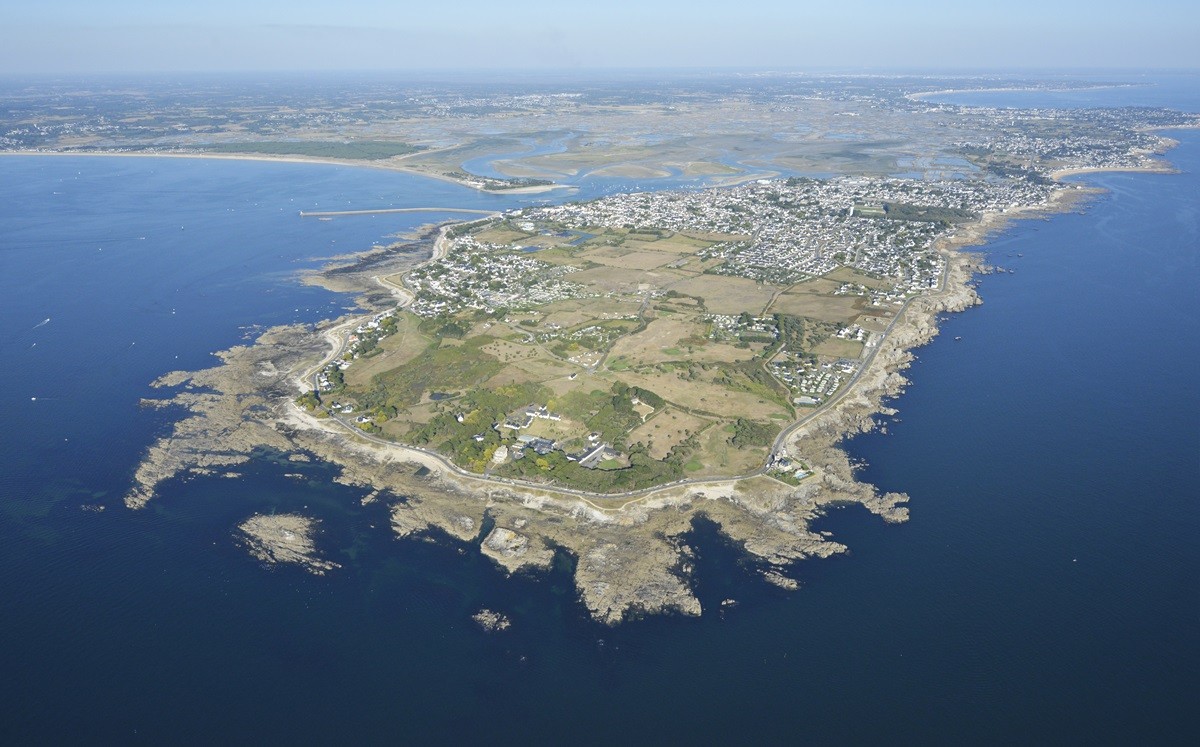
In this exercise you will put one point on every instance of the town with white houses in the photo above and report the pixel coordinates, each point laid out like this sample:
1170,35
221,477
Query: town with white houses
870,240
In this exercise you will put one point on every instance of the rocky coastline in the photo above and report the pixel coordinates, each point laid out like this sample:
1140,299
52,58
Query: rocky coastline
631,556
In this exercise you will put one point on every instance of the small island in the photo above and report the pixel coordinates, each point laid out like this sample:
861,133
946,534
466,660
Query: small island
284,538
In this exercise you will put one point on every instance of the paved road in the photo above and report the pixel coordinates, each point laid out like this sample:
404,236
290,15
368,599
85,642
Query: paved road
630,496
786,433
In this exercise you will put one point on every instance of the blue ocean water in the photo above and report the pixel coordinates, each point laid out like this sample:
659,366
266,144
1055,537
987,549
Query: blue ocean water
117,270
1045,588
1175,90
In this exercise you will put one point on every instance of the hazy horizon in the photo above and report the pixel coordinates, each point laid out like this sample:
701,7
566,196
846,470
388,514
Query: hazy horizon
135,36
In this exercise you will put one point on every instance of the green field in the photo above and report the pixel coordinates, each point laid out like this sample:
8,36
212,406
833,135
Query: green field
437,368
628,361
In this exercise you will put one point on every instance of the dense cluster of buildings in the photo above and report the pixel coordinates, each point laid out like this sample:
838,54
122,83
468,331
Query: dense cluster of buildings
731,327
812,381
1092,138
593,452
361,341
804,227
487,277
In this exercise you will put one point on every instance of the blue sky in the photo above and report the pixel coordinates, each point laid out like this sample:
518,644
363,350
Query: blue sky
58,36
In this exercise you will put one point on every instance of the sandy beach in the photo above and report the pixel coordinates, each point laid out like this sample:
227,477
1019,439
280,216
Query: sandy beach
1009,89
389,165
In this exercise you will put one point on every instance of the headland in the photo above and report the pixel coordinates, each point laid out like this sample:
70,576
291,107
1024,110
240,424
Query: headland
586,379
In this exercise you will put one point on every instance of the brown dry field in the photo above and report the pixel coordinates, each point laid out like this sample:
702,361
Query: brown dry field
592,308
848,275
662,277
836,348
679,304
693,265
503,235
605,279
665,430
412,416
537,368
827,308
544,367
509,352
875,320
556,430
727,295
490,328
518,316
567,319
556,255
676,244
628,258
666,332
720,457
722,352
397,428
702,395
575,321
713,237
403,346
584,382
816,285
647,346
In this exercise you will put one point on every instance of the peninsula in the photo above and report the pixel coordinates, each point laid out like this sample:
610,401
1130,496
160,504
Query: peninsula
584,379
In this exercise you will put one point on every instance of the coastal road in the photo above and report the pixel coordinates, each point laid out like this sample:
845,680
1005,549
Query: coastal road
630,497
787,433
405,295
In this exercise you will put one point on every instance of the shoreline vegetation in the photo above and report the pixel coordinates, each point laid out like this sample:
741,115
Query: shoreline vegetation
630,556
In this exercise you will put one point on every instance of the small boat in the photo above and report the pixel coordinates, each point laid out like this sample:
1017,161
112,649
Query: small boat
956,339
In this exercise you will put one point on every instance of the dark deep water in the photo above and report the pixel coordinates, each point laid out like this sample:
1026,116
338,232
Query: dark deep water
1045,588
